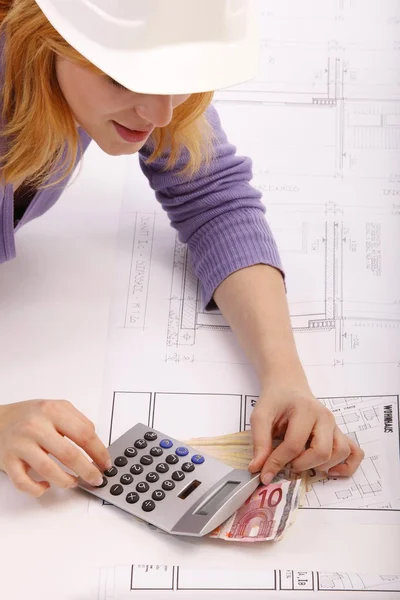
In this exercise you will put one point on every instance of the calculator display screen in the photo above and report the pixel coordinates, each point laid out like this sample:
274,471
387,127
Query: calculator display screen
216,501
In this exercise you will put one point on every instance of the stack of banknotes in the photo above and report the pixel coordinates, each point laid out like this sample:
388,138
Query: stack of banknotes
271,510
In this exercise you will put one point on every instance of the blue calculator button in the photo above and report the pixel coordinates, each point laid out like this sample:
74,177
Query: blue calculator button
198,459
166,444
181,451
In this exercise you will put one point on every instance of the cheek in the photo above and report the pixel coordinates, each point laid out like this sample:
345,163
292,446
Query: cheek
83,92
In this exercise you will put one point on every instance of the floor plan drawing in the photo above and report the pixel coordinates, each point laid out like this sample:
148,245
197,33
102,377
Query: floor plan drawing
165,581
327,300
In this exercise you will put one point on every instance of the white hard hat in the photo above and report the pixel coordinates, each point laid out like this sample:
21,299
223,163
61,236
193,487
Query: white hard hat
162,46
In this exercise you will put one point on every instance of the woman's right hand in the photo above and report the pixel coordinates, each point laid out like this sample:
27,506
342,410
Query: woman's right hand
31,430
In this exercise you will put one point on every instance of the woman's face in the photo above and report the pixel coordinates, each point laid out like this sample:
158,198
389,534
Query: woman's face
118,120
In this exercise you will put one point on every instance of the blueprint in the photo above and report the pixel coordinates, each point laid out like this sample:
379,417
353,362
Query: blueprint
321,123
170,581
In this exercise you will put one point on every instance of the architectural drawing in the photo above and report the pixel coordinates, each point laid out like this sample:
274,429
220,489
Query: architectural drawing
321,123
363,418
156,581
328,99
327,299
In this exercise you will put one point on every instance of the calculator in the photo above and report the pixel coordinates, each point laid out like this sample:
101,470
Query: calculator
170,485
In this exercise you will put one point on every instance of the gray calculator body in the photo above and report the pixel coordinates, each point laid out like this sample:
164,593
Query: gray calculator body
169,485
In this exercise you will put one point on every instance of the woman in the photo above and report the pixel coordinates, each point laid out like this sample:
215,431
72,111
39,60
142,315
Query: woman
135,77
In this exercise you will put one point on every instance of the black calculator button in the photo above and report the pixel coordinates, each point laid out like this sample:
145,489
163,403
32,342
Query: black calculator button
178,475
162,468
130,452
181,451
132,497
156,451
172,459
188,467
166,444
136,469
158,495
148,505
103,484
140,444
121,461
126,479
111,472
152,477
146,460
116,489
150,436
142,487
168,485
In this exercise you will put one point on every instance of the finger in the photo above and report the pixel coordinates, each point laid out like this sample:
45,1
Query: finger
69,455
320,448
351,464
17,472
261,429
340,452
72,424
297,434
45,467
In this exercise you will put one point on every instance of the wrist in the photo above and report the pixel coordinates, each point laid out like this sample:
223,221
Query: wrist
282,365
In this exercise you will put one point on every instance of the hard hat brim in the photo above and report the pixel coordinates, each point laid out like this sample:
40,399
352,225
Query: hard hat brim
172,69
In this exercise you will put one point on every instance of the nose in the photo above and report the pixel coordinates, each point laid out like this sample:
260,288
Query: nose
156,109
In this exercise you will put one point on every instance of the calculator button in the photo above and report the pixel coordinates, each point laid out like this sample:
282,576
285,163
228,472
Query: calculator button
166,444
152,477
188,467
168,485
178,475
140,444
116,489
181,451
162,468
158,495
103,484
148,505
126,479
156,451
132,497
172,459
130,452
142,487
121,461
150,436
111,472
136,469
198,459
146,460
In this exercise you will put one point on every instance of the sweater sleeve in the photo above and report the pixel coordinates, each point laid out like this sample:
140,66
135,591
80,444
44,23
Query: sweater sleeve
217,213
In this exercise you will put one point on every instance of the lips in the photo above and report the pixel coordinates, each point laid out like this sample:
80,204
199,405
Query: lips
131,135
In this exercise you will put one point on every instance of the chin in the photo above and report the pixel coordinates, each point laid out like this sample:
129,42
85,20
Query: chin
119,149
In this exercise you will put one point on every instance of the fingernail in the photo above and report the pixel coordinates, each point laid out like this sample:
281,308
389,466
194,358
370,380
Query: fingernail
333,474
268,477
108,465
252,463
96,481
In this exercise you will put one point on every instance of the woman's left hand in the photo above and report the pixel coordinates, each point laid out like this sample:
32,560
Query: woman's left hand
311,437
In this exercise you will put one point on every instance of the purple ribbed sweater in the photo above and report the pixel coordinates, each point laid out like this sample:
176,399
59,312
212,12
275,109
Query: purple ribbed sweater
218,214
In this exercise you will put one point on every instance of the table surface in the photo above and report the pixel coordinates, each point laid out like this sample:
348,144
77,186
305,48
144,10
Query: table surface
54,309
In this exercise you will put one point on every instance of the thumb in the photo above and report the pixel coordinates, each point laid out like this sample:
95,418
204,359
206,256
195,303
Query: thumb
261,428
